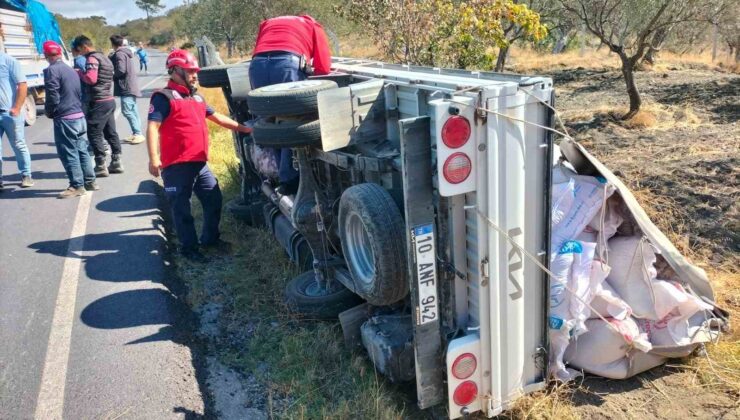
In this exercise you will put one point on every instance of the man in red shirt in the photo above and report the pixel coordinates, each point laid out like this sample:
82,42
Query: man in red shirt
288,49
177,139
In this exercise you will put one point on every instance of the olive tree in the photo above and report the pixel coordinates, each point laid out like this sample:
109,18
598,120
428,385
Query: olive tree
442,32
627,27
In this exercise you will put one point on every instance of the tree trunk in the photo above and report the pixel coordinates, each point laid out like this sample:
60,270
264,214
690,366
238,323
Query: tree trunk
656,43
229,46
628,70
561,43
501,59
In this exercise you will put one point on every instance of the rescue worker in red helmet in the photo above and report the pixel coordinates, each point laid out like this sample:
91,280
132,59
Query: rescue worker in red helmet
177,139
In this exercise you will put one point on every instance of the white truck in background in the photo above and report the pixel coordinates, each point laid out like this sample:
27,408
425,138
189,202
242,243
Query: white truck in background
18,39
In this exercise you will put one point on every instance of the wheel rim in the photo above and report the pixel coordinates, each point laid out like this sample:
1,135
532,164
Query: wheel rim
30,108
313,289
359,250
284,87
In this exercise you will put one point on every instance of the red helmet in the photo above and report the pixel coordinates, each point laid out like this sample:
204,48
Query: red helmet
183,59
52,48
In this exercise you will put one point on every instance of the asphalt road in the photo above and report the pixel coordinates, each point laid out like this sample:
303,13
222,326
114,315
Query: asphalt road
91,325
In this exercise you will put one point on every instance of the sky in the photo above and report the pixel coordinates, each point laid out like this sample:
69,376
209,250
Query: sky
115,12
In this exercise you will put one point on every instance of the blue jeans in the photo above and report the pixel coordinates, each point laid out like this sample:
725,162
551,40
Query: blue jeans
265,71
143,65
70,137
131,112
14,127
181,180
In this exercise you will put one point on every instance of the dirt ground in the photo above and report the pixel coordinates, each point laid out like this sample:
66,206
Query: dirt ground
683,163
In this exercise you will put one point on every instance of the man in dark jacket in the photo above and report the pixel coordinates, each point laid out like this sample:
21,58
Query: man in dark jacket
63,91
126,86
97,81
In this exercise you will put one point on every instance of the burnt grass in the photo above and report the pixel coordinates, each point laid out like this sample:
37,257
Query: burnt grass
686,173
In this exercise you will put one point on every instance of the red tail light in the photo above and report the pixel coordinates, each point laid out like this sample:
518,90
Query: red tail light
464,366
465,393
456,132
457,168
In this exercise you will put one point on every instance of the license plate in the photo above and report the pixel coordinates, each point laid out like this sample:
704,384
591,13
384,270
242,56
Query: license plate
426,274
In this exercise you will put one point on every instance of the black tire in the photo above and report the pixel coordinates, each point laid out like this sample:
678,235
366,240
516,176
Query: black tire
215,76
29,106
287,133
249,213
287,99
302,302
380,276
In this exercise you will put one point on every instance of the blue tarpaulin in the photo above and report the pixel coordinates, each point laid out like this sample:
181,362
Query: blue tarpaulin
45,26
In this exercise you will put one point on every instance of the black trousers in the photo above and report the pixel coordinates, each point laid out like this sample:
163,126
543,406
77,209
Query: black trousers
101,128
181,180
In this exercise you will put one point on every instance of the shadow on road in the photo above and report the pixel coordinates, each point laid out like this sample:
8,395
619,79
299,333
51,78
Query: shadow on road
37,156
20,193
38,175
135,255
136,308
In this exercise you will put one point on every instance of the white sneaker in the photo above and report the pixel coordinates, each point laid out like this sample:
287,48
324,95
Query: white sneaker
136,139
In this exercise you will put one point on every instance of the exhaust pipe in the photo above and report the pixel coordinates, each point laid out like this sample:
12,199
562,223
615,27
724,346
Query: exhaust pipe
283,202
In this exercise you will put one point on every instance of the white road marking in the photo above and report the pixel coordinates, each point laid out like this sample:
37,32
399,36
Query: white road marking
50,402
151,82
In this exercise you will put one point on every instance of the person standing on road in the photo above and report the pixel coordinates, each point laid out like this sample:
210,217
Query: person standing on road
177,140
126,86
141,53
288,49
64,106
97,82
13,90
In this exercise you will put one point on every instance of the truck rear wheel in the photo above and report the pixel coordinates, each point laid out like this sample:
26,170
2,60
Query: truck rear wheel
305,297
287,99
372,232
29,110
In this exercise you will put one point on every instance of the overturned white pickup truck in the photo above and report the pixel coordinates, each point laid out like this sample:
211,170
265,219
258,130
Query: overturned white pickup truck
490,260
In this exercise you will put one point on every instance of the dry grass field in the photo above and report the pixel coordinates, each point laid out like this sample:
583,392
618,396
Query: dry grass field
681,157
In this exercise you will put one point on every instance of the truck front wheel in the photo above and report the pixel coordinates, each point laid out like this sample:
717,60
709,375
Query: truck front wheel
307,298
372,232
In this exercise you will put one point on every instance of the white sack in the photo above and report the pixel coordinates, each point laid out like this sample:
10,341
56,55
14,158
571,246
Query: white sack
582,285
588,235
563,195
572,269
607,219
608,304
605,349
674,306
633,269
589,196
559,320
